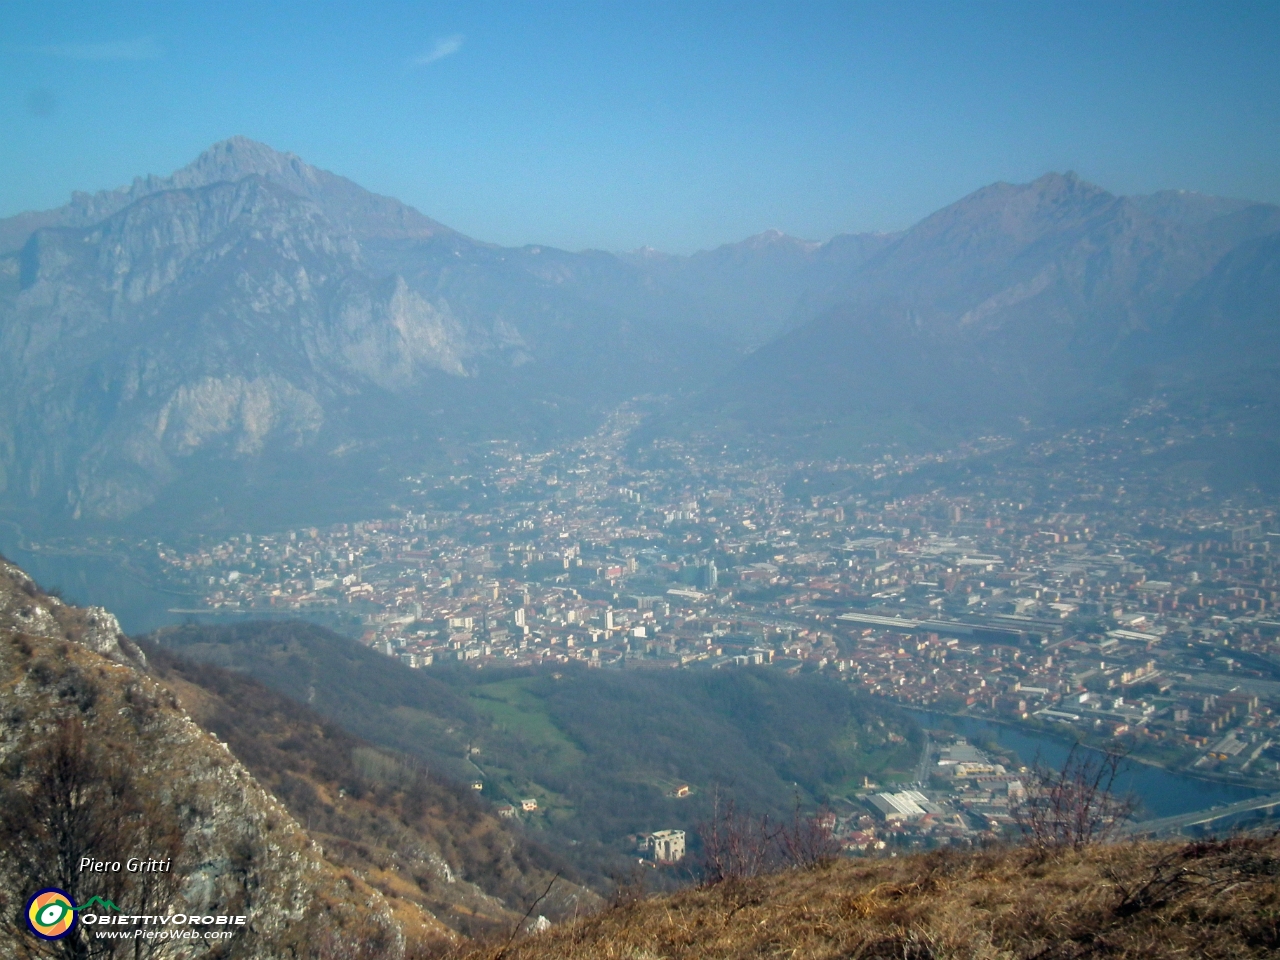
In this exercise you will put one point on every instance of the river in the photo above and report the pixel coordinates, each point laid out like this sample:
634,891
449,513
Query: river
1160,793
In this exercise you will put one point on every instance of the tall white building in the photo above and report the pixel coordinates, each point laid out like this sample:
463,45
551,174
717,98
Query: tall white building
666,846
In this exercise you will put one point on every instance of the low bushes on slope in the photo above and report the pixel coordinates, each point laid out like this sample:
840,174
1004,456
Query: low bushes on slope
1214,899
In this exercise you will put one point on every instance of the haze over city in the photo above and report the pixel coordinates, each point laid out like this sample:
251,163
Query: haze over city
556,480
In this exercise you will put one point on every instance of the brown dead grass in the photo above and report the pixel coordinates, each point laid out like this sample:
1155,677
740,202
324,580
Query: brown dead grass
1210,900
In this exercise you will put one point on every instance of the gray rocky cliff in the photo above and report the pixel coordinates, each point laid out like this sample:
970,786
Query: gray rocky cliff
249,312
226,317
217,333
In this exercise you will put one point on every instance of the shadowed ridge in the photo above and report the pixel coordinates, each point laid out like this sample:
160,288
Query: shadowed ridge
149,781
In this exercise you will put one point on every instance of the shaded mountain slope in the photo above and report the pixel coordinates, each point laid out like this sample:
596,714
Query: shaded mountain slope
247,320
600,751
1033,301
362,691
203,344
1233,314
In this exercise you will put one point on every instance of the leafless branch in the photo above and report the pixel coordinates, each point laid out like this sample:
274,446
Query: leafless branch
1076,805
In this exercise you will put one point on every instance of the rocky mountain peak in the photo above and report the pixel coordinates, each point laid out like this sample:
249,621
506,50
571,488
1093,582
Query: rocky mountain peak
239,157
1014,213
226,162
251,307
774,238
347,205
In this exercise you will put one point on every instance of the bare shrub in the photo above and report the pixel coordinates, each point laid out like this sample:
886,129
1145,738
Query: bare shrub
809,841
1202,869
631,887
737,846
1076,805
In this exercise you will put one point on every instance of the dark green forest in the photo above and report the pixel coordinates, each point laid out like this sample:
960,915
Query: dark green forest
602,751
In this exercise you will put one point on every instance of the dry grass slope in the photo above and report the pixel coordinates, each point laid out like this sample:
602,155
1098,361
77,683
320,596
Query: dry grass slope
1150,901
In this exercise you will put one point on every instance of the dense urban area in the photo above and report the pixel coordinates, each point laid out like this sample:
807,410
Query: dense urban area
1067,588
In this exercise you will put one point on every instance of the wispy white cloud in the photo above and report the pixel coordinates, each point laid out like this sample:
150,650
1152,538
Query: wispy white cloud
142,48
441,48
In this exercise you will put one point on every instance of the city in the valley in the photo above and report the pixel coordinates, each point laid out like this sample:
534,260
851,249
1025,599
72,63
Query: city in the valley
1070,590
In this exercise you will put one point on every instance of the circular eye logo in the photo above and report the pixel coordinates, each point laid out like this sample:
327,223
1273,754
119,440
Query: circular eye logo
51,914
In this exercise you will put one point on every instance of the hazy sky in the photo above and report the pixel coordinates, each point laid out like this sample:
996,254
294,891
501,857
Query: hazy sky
676,125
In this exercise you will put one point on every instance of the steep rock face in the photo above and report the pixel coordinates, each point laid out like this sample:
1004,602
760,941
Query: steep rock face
171,341
251,307
224,317
25,609
238,851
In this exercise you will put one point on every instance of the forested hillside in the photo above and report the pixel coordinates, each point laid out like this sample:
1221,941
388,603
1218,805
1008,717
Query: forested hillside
419,838
602,752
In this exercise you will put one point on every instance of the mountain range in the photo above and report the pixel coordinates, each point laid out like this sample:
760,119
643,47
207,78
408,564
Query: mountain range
1037,302
204,345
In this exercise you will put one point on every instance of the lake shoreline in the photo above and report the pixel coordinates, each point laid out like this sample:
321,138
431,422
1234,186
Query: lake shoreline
1260,786
1163,792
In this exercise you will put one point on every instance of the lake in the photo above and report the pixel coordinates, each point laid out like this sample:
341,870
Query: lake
1161,793
101,581
141,607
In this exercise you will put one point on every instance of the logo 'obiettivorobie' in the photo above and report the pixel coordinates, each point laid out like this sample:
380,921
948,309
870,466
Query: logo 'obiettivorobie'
51,914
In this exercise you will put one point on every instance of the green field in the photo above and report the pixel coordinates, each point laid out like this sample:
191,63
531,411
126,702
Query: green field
604,749
518,712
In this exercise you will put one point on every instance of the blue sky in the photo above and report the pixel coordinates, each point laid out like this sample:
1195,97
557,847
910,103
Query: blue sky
675,125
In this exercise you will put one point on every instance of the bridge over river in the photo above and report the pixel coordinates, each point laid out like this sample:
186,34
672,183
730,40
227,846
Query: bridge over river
1170,825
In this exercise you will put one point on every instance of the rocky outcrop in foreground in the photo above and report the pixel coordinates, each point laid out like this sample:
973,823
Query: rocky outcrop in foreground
98,759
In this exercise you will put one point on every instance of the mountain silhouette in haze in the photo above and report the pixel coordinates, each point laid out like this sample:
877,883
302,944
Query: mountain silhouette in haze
206,344
225,329
1036,301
